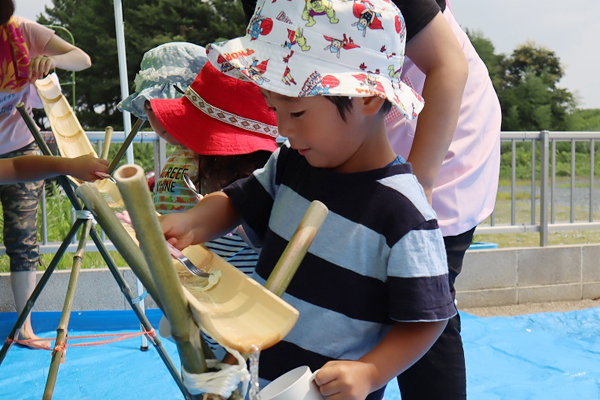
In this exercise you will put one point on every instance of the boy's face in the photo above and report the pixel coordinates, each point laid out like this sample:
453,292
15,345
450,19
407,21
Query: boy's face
157,126
316,129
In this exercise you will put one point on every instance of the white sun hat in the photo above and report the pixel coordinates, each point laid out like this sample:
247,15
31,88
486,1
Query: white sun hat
301,48
162,67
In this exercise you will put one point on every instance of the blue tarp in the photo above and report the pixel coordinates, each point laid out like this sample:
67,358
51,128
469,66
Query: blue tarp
548,356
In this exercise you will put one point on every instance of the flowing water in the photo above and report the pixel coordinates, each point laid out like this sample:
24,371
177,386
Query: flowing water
254,383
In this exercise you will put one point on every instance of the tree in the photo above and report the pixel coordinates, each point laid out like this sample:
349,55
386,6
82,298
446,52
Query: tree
529,95
148,23
537,59
586,120
526,83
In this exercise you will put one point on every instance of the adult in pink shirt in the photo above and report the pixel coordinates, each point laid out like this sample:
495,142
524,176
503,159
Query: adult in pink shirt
31,51
454,147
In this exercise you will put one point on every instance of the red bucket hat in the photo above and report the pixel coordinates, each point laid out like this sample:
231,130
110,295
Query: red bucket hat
219,115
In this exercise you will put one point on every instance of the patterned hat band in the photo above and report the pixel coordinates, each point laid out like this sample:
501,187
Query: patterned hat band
230,118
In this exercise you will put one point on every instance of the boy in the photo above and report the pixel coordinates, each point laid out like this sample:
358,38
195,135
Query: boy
373,289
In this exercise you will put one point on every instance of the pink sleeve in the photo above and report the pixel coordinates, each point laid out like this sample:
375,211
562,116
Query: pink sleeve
36,36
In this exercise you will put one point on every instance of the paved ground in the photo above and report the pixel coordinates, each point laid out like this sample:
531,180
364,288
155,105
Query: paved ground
531,308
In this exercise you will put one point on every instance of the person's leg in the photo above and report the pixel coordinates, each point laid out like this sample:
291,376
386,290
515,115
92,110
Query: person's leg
19,203
441,373
22,284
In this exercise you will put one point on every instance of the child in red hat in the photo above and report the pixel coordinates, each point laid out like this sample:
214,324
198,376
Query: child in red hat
232,135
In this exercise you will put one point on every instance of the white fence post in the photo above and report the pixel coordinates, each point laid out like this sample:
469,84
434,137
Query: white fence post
544,158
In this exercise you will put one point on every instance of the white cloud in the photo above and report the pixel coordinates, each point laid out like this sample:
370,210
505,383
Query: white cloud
570,29
30,9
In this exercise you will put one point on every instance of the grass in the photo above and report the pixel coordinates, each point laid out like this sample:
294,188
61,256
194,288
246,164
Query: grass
503,214
59,224
59,217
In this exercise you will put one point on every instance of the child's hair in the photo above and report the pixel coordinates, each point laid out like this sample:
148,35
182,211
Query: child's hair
344,104
7,10
220,171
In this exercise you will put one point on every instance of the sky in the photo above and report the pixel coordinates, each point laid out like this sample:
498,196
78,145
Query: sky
569,28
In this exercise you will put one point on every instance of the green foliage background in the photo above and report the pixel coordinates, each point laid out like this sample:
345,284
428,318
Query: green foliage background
527,80
148,23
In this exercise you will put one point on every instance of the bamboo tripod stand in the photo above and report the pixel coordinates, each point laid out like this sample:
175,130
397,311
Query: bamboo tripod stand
84,220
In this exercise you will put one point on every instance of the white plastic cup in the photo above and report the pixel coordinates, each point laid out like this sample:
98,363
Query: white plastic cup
297,384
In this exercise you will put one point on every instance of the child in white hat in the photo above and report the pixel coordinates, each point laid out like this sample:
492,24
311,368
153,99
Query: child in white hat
373,289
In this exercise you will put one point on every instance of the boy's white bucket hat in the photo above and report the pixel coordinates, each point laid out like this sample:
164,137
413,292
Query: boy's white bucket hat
301,48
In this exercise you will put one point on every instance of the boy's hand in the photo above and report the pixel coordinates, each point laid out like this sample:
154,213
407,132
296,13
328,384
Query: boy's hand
341,380
176,229
86,168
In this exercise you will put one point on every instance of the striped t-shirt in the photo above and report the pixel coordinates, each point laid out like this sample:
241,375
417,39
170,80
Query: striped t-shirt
378,258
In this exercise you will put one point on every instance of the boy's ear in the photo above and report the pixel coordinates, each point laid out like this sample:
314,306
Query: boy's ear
371,105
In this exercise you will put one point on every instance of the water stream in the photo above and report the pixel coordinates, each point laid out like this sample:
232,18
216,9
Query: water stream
254,383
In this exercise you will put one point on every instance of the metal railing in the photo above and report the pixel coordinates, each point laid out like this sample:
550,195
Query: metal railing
545,183
542,188
97,138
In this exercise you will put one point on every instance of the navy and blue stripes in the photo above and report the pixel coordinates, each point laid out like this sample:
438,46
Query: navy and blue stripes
378,258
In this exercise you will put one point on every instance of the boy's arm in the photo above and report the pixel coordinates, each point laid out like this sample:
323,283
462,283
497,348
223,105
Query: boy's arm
213,217
405,344
35,168
437,53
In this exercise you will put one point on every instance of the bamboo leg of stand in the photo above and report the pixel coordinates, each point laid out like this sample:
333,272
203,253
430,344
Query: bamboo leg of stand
39,140
39,288
34,130
68,188
63,325
136,127
125,289
108,132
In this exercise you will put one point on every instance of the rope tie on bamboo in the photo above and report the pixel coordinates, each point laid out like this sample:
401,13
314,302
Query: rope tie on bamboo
222,382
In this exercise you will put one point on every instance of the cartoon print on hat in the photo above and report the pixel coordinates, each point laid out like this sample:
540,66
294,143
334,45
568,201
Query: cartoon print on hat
296,37
301,48
367,16
313,8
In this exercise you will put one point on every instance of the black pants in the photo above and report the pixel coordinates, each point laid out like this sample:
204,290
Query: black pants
441,373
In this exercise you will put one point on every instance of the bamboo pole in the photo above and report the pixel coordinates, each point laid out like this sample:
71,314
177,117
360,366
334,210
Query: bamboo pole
134,189
139,312
115,231
33,129
61,337
136,127
296,249
108,132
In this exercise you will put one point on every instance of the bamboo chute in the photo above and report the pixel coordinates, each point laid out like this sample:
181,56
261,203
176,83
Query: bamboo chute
237,312
69,135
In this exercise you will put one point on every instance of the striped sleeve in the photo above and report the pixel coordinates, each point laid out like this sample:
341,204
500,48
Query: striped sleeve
253,197
418,284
